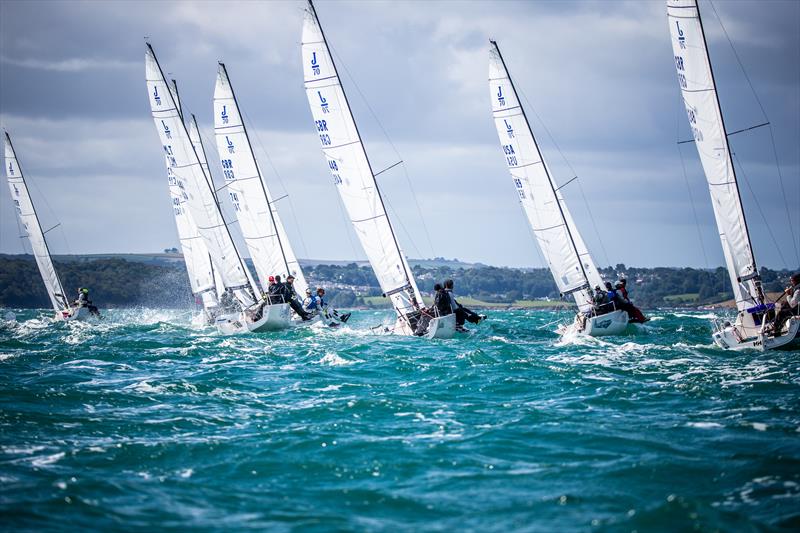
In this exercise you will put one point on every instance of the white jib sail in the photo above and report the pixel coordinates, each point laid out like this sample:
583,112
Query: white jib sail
210,299
195,253
699,92
351,170
27,215
185,165
255,210
561,244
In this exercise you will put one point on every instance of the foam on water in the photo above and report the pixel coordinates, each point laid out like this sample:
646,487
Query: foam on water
142,420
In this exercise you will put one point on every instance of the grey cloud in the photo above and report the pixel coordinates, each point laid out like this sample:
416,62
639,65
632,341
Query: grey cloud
598,74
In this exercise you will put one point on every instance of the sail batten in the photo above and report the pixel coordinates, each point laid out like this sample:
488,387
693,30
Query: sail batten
700,98
33,229
188,171
351,170
557,236
258,217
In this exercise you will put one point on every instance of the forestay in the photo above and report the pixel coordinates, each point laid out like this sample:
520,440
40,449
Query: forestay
351,170
561,244
185,165
27,214
696,81
258,217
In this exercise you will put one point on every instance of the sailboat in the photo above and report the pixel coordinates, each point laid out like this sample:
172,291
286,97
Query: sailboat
205,283
30,221
247,310
752,328
561,244
355,180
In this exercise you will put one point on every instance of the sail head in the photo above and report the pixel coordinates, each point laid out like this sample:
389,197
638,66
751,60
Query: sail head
21,197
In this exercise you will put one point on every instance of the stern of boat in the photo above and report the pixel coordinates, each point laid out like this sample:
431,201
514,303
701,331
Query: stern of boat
442,327
613,323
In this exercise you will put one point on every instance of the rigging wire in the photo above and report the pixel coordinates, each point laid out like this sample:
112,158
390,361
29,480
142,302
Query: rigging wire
758,205
771,133
572,170
402,226
396,151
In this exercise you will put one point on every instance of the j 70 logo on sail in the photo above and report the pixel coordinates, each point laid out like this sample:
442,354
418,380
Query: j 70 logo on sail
11,173
323,102
500,98
224,114
156,97
229,143
681,36
509,129
167,132
314,65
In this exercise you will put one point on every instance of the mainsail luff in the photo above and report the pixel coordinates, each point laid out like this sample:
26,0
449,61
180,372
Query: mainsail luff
352,170
200,195
259,221
30,221
556,234
701,99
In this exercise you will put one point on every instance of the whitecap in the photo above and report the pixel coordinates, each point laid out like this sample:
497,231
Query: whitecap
333,359
47,459
705,425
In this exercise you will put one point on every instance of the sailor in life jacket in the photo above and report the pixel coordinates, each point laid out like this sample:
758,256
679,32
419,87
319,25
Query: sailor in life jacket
309,302
83,297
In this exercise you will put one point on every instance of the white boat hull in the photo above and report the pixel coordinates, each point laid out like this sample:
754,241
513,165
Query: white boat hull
739,338
274,317
77,314
613,323
442,327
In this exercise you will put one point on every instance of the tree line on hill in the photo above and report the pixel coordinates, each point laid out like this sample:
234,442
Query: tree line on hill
116,282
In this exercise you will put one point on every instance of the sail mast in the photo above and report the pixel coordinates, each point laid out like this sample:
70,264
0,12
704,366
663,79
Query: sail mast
366,156
258,171
701,99
254,293
546,170
49,258
757,277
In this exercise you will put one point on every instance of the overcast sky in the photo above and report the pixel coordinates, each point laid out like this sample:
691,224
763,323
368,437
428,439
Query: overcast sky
598,76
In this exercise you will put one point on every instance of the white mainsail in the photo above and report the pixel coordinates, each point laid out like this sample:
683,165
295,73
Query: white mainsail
195,254
351,170
561,244
699,92
200,199
27,215
255,210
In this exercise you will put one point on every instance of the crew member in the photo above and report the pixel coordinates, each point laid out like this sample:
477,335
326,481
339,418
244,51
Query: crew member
275,290
462,313
789,308
290,296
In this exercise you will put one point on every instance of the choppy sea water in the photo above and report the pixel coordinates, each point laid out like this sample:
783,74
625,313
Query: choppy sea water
143,422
